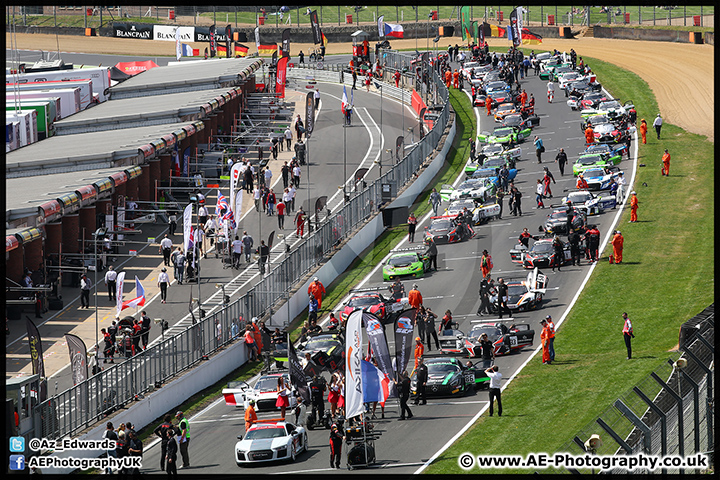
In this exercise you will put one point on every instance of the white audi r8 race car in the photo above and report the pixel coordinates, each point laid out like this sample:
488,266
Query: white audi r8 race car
270,441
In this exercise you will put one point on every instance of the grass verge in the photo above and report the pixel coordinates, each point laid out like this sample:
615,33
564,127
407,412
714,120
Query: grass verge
666,277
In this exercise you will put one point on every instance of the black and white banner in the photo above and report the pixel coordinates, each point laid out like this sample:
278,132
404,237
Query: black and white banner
134,30
78,358
166,33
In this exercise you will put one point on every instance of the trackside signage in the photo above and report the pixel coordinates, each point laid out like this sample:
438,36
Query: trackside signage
166,33
133,30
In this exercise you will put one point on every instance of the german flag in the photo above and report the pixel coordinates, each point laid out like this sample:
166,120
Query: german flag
241,50
222,51
267,49
497,31
530,38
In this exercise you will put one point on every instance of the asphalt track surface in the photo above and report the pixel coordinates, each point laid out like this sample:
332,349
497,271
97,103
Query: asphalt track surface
405,447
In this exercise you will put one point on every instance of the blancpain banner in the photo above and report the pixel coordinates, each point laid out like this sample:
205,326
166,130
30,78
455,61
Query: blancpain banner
167,33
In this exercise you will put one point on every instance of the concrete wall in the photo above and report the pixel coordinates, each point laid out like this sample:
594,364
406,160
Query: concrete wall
644,34
165,399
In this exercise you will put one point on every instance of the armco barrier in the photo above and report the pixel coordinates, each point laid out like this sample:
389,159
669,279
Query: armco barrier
83,405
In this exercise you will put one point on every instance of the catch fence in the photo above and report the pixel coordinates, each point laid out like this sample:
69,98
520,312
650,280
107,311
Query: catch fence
328,16
670,412
84,404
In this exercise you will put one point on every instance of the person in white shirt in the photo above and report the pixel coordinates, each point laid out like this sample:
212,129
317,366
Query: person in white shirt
110,281
200,241
268,177
494,390
292,191
288,137
317,98
256,198
202,214
296,176
658,125
166,248
211,227
620,180
163,283
85,286
237,250
551,91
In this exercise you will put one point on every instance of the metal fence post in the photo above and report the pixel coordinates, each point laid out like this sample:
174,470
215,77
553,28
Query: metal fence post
696,408
618,439
630,415
709,376
679,401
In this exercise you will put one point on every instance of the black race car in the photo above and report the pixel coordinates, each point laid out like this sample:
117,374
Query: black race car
505,339
541,254
556,222
326,350
445,229
449,377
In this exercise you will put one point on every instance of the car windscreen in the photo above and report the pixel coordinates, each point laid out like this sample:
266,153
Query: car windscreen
513,120
266,384
322,344
516,290
441,225
492,331
589,159
579,197
594,172
610,104
261,433
442,368
364,301
501,132
542,247
494,162
402,261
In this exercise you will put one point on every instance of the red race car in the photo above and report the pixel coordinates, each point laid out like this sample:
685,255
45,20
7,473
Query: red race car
369,299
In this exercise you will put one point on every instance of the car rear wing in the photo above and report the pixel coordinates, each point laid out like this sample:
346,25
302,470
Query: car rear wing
407,249
368,289
537,281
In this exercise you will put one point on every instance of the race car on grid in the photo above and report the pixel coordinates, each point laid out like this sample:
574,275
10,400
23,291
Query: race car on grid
590,203
601,178
448,377
481,213
264,392
521,122
612,108
541,254
612,150
505,135
587,100
368,299
493,173
268,441
503,110
594,160
405,262
475,188
556,221
505,339
445,229
523,294
326,349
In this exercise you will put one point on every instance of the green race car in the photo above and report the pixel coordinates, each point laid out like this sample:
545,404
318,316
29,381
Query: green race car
404,263
595,160
505,135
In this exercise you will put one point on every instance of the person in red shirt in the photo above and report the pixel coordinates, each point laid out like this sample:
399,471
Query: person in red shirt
415,297
281,214
633,206
523,97
396,77
617,243
545,344
419,350
666,164
317,290
581,182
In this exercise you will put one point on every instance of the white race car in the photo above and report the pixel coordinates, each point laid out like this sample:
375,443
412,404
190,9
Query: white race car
590,203
475,188
238,394
270,441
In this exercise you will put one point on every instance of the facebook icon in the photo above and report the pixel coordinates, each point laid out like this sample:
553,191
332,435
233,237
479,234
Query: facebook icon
17,462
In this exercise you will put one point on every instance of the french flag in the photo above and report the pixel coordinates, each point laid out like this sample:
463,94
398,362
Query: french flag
393,30
344,101
138,301
375,384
